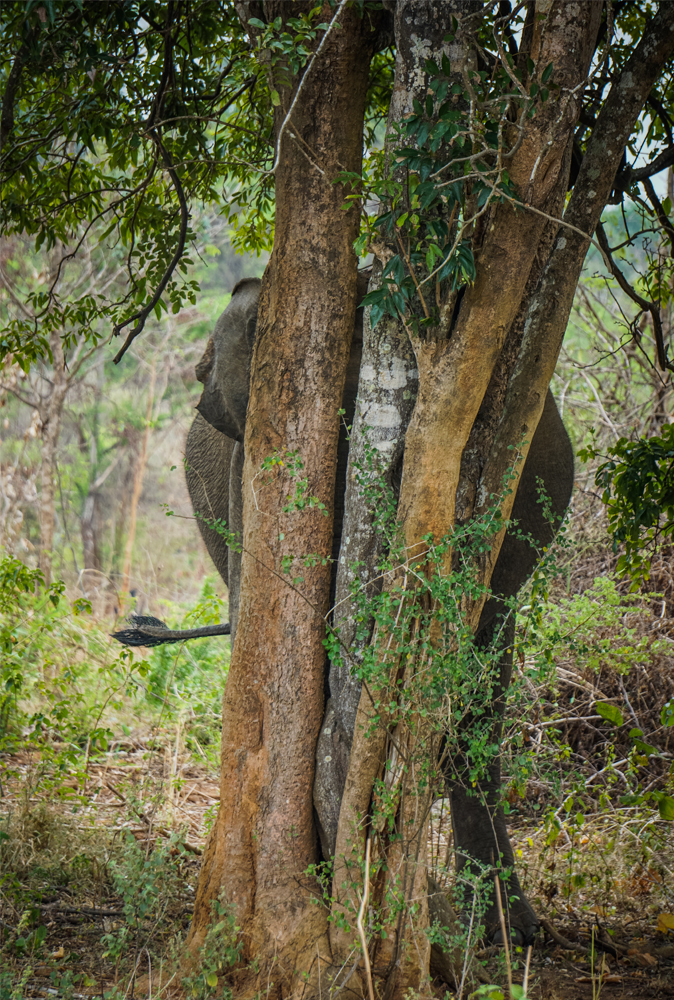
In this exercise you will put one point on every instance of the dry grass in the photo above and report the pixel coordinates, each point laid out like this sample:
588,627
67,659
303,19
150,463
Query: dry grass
58,857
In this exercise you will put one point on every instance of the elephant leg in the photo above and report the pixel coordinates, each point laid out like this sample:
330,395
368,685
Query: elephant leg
208,458
481,841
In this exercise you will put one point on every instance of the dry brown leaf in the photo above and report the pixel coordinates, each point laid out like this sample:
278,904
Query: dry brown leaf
642,958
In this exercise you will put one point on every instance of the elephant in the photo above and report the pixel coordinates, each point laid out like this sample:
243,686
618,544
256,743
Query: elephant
214,465
215,439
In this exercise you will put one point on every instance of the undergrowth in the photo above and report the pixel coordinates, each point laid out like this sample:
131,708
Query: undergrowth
89,733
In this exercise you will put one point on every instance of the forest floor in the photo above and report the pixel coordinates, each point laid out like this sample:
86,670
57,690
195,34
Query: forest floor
142,791
100,854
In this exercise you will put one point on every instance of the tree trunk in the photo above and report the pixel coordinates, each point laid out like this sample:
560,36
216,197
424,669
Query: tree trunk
483,374
482,390
138,475
90,521
51,414
454,377
264,839
89,531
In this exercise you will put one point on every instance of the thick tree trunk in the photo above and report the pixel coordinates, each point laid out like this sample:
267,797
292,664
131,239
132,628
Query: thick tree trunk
482,382
264,838
454,376
51,415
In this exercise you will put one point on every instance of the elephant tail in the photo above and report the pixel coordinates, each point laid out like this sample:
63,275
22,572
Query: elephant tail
148,631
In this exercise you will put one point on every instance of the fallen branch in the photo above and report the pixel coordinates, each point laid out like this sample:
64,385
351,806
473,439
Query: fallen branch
559,938
87,911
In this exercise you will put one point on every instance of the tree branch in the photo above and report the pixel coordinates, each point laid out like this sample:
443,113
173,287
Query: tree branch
33,403
659,210
657,106
14,297
8,98
644,304
143,313
630,176
550,306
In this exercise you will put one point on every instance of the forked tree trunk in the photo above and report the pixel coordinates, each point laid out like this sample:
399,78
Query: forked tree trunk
264,838
454,374
481,391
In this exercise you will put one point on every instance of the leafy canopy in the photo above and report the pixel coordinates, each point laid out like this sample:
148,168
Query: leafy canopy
117,116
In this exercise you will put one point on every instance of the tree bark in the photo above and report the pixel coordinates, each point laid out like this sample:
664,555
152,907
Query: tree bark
264,838
454,375
549,308
481,386
90,521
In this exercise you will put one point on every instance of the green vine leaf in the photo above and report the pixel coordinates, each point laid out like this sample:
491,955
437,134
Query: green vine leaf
609,712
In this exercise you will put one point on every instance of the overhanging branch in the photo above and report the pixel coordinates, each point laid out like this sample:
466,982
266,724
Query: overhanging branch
644,304
630,176
659,210
141,316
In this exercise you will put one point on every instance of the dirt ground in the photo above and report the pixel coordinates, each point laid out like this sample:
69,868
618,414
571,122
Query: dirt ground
77,910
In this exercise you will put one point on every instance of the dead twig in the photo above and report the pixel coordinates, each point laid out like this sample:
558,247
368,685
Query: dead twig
506,943
525,980
144,819
359,922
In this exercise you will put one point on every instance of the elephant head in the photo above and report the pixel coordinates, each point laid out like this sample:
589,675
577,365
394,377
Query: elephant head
225,367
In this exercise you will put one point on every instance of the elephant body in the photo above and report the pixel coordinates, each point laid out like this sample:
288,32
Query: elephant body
214,447
214,465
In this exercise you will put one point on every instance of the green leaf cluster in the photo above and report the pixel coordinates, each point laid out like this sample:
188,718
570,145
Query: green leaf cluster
445,166
637,481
